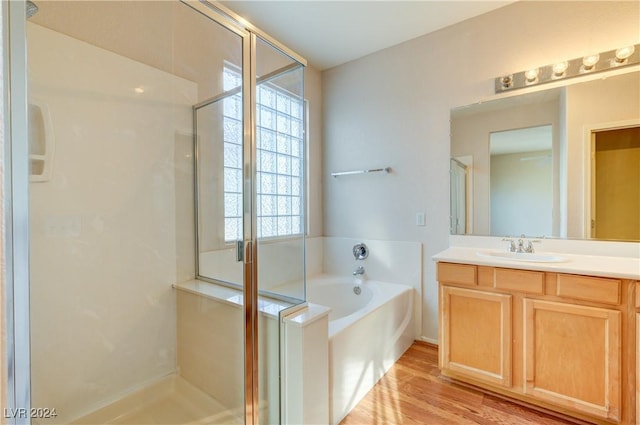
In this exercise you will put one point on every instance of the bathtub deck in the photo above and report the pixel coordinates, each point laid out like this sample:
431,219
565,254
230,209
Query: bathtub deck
412,393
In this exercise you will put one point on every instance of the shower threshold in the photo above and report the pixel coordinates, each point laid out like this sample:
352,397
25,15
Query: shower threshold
172,401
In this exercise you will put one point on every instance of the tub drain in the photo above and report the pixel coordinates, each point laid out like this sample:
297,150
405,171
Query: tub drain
357,290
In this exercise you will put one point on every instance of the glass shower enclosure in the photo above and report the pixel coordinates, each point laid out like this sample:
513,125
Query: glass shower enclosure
166,152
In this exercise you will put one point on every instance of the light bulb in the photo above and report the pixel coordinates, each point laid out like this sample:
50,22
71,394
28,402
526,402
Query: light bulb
531,75
559,68
623,53
139,90
507,81
590,61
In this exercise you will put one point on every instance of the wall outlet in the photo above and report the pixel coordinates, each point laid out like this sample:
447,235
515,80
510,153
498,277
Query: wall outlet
420,219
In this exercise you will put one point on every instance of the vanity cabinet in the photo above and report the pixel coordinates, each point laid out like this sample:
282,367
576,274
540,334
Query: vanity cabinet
561,341
480,349
572,356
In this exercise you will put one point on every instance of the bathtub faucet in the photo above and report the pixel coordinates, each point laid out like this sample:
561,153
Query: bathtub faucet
358,271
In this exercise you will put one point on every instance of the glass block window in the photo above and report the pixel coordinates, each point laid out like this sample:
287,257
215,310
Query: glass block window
280,160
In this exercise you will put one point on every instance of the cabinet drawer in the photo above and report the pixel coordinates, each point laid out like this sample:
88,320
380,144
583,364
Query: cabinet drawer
595,289
464,274
526,281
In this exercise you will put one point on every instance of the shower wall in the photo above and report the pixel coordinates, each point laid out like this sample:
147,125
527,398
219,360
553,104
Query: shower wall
105,228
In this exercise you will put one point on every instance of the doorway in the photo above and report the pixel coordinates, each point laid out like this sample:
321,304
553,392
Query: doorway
615,184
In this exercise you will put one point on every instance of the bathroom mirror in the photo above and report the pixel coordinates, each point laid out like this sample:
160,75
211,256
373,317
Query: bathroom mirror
562,162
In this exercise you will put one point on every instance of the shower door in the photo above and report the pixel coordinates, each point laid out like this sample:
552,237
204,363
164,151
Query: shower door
250,207
118,92
280,215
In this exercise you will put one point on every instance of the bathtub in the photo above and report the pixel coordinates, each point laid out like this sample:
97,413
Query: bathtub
367,334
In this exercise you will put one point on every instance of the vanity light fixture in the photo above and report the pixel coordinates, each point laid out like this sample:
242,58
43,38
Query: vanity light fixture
593,63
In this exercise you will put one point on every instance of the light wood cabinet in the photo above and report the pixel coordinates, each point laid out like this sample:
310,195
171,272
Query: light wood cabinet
572,356
480,349
565,342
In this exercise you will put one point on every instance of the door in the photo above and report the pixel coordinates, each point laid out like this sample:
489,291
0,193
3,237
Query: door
572,356
279,219
476,334
458,197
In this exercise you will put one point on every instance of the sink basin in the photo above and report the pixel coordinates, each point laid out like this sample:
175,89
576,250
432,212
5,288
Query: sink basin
524,256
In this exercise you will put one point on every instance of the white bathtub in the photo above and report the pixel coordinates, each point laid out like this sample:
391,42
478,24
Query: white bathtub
367,334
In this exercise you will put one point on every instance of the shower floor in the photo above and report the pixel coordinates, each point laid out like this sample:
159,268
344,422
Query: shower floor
172,401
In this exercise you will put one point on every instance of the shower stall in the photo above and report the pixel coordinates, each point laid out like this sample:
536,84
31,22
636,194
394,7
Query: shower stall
163,177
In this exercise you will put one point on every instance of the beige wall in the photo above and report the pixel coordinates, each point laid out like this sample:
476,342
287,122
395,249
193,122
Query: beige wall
392,108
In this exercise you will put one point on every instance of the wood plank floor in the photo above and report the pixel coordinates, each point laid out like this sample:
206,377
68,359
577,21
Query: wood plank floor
412,393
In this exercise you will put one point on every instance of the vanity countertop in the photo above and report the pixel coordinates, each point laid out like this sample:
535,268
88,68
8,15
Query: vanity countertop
590,265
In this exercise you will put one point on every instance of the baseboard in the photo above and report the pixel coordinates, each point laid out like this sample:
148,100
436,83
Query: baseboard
429,340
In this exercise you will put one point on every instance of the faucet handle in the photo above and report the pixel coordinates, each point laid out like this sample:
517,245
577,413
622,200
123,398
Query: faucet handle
529,247
512,244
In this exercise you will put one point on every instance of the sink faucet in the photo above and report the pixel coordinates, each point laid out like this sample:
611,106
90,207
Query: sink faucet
359,271
523,245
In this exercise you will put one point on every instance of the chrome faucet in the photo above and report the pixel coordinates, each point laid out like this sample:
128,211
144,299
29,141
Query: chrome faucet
359,271
524,245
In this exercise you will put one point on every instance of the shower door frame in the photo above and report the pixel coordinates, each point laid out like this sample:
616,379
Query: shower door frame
15,180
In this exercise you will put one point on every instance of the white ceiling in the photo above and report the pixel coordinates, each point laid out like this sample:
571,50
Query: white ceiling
330,33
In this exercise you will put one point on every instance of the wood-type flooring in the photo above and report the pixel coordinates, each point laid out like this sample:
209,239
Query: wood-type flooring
413,393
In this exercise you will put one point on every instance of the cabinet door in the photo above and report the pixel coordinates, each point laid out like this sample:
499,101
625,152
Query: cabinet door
572,356
476,334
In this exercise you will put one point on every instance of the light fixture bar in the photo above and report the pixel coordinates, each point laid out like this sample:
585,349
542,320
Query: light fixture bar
589,64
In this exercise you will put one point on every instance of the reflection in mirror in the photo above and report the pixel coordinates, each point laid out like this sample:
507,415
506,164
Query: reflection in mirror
615,172
521,181
459,194
573,117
